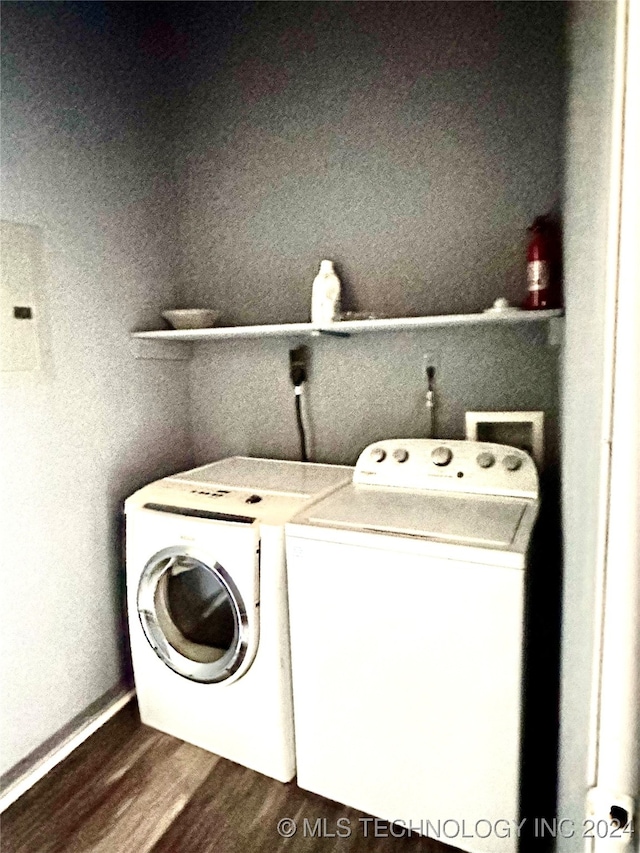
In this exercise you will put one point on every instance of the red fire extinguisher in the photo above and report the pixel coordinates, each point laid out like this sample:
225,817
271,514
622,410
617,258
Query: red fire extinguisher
543,266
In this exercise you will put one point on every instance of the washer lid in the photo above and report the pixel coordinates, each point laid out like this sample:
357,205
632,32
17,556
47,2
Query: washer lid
268,491
302,479
462,519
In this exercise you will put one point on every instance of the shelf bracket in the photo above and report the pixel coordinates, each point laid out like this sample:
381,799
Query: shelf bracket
331,332
147,348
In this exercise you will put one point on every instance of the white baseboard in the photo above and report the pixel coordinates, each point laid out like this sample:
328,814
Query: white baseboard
84,730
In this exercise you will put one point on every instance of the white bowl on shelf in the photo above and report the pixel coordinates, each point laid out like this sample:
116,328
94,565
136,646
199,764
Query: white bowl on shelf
191,318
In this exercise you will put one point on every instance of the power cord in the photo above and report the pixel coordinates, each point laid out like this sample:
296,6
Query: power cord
303,439
430,402
298,374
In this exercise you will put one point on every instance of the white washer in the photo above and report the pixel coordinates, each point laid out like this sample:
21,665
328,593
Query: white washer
406,602
207,605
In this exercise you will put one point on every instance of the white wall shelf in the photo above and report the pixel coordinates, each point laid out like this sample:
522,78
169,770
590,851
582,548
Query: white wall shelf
346,328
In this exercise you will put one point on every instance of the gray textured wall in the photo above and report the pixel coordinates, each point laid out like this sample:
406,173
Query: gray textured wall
364,389
82,161
412,143
589,111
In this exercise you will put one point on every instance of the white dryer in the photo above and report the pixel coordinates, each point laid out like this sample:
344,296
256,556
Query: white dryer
406,602
207,604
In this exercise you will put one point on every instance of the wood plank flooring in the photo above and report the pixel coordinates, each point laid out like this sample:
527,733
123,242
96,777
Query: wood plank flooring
131,789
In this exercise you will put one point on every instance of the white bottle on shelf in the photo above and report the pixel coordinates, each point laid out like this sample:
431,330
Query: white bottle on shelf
325,296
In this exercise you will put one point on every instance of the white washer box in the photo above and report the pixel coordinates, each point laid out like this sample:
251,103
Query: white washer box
524,430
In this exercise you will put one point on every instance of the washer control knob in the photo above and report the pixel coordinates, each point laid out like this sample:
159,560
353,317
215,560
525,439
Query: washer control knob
253,499
485,460
378,454
441,456
401,455
511,462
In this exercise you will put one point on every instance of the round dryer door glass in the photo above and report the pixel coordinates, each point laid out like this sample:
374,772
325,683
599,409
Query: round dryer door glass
192,615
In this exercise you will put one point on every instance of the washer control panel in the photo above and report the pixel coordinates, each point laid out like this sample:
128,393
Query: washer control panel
454,466
226,499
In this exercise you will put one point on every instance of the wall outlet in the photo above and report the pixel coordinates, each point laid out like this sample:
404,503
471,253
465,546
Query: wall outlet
430,359
298,365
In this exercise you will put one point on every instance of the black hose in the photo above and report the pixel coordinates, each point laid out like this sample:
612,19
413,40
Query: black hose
303,438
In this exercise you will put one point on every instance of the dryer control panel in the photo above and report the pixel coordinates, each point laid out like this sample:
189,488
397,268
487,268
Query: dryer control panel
475,467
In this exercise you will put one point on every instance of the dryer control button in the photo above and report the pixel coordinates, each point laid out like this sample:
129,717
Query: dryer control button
512,463
401,455
253,499
378,454
441,456
485,460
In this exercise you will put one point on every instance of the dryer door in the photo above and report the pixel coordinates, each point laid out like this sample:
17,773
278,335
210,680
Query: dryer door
193,616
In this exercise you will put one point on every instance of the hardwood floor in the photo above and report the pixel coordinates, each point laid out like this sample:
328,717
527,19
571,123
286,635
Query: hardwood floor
131,789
